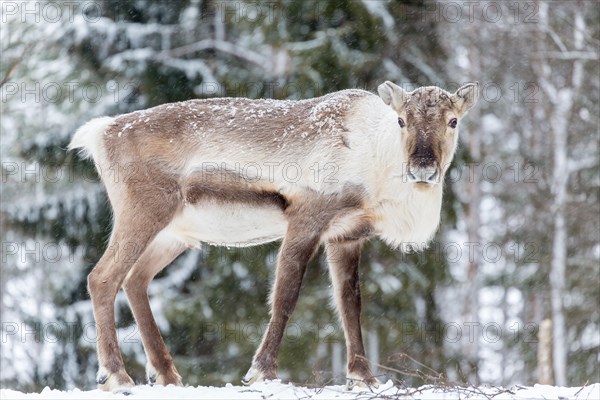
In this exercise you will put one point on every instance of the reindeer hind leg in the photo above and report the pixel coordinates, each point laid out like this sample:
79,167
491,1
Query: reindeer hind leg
160,253
135,227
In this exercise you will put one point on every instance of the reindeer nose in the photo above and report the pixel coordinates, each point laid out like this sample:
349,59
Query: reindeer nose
422,174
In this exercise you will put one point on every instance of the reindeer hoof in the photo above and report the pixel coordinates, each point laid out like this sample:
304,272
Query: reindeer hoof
358,381
118,382
101,379
253,375
171,377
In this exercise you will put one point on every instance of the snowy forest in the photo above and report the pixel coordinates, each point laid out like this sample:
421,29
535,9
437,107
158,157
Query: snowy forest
507,293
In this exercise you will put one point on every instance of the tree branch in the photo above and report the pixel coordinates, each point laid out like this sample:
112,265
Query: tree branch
13,67
225,47
571,55
10,72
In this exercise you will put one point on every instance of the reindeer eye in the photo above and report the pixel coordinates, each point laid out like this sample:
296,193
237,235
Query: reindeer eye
452,123
401,122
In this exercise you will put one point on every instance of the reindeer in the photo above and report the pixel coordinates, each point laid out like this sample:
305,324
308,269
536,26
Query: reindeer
333,170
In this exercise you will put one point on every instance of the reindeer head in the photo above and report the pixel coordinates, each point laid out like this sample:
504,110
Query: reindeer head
428,126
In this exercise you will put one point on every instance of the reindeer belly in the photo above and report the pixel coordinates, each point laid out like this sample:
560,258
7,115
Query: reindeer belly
235,225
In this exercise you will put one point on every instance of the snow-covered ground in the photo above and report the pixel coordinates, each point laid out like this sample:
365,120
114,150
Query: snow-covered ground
277,390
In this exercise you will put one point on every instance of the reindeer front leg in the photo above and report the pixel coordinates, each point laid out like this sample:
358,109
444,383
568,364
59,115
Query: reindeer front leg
343,259
298,247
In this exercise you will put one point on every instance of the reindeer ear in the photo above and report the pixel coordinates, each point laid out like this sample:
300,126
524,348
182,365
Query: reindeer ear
392,94
465,97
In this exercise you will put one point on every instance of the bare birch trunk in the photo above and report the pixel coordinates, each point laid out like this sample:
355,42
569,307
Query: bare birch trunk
562,98
544,356
337,360
373,350
473,224
557,286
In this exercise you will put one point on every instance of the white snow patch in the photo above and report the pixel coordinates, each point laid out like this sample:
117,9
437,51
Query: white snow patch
278,390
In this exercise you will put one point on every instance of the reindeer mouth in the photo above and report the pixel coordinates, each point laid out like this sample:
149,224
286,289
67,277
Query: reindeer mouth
423,176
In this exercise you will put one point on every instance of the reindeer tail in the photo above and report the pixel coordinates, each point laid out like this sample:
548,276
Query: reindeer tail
88,138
